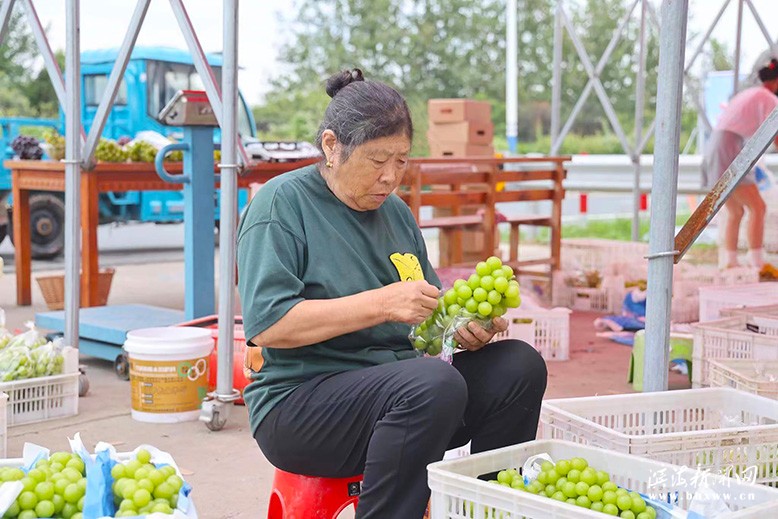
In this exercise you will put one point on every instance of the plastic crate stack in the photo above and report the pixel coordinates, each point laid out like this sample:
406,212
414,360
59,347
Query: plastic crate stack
720,430
729,338
747,292
616,262
756,376
687,280
548,331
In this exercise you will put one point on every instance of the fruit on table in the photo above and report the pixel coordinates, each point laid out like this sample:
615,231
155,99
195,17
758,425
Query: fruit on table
109,151
54,488
140,488
575,482
56,142
486,294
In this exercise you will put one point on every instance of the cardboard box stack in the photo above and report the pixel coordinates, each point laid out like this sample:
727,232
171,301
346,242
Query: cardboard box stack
459,127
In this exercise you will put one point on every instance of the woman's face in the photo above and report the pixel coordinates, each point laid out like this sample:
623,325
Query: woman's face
370,174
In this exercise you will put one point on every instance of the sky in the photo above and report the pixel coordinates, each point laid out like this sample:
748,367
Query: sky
104,23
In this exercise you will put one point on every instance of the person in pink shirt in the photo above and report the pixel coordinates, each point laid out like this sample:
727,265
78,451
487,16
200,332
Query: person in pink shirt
744,114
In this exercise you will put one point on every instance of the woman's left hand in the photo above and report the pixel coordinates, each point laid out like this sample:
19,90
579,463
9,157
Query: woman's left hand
474,336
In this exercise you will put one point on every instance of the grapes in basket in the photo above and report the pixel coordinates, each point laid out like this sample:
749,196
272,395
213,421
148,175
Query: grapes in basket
54,488
486,294
574,482
140,488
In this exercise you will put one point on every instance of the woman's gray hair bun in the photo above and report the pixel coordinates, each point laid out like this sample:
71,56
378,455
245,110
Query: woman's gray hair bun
338,81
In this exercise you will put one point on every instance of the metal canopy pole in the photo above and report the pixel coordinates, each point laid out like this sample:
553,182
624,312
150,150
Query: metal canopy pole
215,409
114,80
52,67
72,170
664,192
5,15
511,78
556,86
639,106
204,70
738,38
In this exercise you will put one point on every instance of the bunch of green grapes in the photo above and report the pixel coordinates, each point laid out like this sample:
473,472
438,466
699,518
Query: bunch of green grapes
56,144
486,294
576,483
175,156
217,156
54,488
140,488
109,151
141,151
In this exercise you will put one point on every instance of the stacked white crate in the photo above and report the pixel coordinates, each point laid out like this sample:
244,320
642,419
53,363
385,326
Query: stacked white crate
548,331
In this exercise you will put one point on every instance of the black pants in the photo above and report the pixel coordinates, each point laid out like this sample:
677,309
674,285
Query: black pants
390,421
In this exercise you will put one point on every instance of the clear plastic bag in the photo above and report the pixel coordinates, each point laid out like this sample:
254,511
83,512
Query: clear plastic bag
435,336
5,335
30,355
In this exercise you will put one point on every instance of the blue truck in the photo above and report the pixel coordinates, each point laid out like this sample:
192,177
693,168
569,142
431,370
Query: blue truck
152,77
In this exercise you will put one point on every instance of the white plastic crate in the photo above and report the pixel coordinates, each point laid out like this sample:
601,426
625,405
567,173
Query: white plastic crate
456,487
765,310
548,331
728,339
609,297
758,377
44,398
600,254
720,429
3,424
714,298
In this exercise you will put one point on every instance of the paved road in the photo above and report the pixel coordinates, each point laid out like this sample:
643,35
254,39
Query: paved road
121,245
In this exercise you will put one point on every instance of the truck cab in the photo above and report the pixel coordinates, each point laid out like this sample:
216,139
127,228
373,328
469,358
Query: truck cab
151,79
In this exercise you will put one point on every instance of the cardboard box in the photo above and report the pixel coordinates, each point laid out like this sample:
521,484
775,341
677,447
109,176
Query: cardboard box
458,110
470,132
460,149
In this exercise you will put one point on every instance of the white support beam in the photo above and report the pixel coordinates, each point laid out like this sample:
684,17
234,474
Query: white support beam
204,69
5,14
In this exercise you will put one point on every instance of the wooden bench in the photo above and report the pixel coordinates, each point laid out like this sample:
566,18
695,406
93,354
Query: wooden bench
455,183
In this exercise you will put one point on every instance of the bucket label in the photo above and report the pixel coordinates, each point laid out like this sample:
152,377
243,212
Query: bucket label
174,386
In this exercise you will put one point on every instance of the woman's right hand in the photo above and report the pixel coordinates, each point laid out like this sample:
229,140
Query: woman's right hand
409,302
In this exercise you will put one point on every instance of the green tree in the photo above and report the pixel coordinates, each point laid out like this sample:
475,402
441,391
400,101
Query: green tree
17,56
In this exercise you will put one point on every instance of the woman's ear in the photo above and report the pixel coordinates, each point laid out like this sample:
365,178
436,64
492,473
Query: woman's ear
329,144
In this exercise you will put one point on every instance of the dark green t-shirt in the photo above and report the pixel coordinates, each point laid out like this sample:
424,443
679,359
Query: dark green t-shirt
297,241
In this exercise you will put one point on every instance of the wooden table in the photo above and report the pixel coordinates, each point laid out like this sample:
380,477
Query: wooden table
37,175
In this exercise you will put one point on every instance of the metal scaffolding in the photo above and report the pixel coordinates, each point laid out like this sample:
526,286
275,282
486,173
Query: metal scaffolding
79,153
674,74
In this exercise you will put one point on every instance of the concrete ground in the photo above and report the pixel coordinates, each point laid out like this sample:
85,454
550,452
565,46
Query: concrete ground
229,475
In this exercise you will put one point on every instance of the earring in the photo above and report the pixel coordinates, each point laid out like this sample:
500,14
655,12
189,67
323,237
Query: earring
328,164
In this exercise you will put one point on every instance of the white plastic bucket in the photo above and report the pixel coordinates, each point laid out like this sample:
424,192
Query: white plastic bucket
168,372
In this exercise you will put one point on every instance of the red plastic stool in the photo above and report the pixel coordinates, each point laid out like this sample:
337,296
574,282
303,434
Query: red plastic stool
306,497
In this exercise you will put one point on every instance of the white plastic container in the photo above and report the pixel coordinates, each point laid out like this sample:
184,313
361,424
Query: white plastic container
548,331
715,298
39,399
721,430
456,489
728,338
168,372
758,377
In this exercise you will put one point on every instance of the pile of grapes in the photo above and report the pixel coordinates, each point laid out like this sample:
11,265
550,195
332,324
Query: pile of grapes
486,294
575,482
140,488
28,355
56,144
54,488
109,151
141,151
27,148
